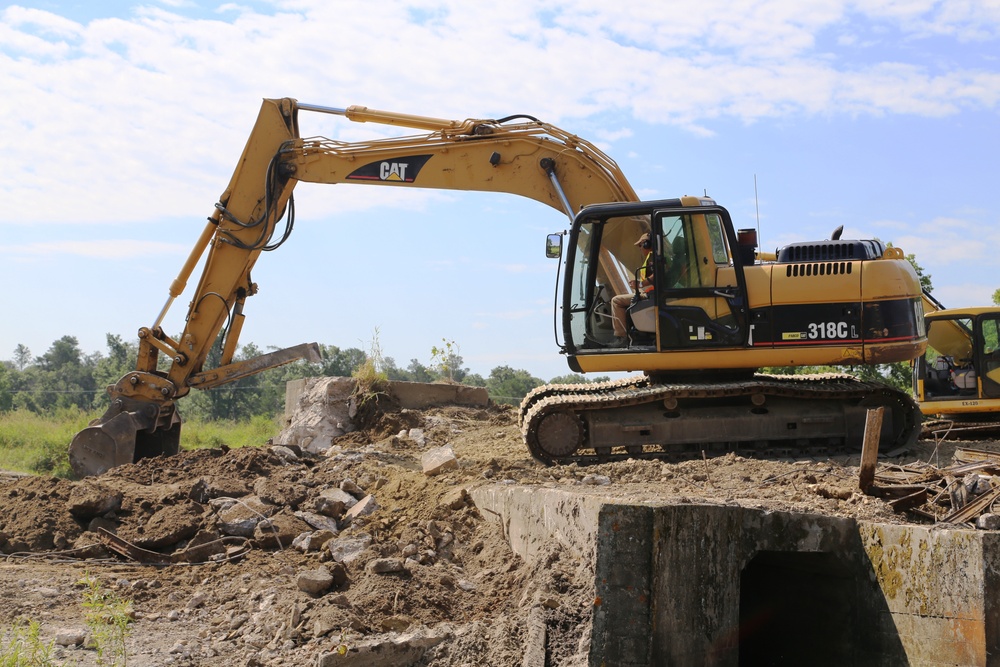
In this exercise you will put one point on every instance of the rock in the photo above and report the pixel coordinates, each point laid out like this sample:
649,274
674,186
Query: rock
339,574
333,502
348,486
596,480
197,600
279,531
208,488
319,522
365,506
456,499
286,454
396,623
347,549
313,541
988,521
400,651
314,582
89,545
279,492
70,637
385,565
88,500
321,415
202,547
167,526
241,517
438,460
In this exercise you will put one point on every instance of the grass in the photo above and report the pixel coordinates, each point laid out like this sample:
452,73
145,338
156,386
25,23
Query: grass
208,434
35,443
39,444
370,380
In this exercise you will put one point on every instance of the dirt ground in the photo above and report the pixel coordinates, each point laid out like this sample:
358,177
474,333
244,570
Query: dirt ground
264,560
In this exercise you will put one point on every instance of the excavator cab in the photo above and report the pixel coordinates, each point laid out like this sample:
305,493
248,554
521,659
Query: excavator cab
959,374
697,300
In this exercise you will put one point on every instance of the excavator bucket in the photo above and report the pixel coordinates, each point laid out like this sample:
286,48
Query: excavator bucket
124,436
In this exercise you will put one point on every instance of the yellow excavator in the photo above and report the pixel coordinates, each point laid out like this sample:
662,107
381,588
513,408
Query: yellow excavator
718,309
957,380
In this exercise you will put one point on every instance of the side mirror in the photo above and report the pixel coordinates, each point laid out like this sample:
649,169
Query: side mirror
553,246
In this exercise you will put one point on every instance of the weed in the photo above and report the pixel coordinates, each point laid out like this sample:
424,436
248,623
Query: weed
21,647
108,618
442,357
370,384
370,380
342,647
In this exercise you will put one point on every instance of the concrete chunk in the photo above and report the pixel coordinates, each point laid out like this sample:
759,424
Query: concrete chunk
365,506
439,460
401,651
314,582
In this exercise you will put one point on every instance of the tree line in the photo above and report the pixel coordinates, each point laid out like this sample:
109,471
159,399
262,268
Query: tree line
65,377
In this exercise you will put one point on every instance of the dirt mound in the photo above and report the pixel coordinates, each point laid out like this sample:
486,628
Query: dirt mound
277,555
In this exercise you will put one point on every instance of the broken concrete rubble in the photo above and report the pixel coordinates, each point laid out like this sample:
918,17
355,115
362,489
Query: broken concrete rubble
460,576
439,460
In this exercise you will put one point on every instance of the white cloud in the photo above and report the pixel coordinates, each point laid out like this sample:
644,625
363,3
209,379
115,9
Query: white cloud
110,249
144,117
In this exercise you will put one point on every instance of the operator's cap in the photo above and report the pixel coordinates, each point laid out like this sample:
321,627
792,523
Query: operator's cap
642,239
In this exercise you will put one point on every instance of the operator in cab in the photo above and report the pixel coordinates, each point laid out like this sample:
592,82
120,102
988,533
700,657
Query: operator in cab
642,286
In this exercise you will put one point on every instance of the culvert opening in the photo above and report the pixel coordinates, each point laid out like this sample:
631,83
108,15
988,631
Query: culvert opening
796,609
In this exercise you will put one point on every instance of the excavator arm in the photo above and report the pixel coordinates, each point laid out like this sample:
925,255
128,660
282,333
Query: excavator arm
518,155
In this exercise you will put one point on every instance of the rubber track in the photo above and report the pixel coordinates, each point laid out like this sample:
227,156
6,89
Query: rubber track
635,391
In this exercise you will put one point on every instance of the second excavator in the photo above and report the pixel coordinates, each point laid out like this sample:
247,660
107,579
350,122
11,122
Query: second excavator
712,310
957,381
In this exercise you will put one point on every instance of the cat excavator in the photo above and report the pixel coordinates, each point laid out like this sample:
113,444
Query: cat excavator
719,310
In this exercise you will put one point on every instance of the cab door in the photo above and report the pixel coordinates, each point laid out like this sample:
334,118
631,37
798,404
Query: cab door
989,354
697,307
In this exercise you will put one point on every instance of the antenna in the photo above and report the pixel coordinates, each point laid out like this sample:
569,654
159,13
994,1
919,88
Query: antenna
756,205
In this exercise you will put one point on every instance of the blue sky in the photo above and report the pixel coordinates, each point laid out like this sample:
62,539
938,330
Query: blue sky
122,122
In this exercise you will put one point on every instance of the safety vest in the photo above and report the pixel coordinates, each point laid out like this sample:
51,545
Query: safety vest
646,273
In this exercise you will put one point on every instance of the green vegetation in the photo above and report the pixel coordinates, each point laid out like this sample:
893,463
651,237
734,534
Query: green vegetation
21,646
369,377
46,400
38,443
108,617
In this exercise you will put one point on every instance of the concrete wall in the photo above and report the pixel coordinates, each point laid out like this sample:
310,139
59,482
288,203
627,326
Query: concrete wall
942,591
410,395
725,585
